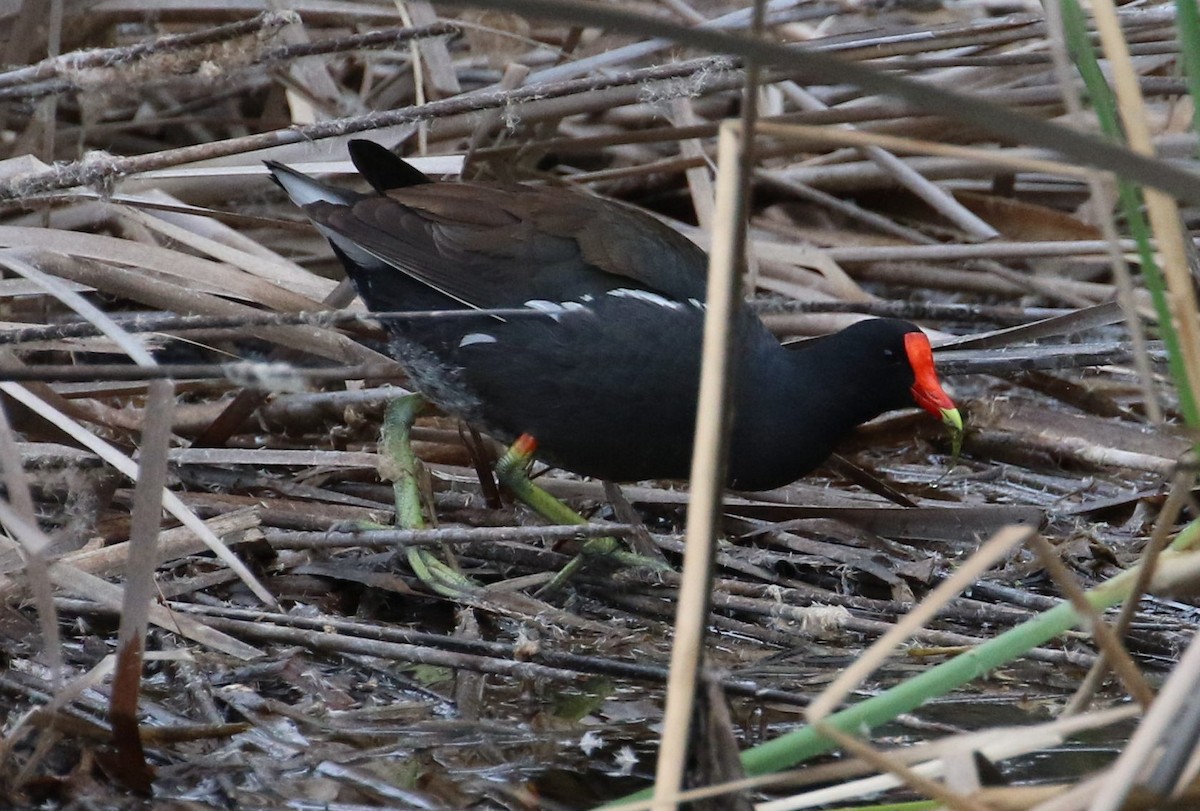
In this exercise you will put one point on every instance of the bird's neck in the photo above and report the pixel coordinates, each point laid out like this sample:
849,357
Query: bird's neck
791,410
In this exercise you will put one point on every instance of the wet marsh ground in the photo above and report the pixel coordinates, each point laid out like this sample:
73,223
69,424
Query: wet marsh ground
360,687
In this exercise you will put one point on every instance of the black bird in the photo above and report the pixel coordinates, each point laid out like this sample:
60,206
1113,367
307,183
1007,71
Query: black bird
606,381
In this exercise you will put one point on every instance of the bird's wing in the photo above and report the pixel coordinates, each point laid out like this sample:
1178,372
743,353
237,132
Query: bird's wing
500,246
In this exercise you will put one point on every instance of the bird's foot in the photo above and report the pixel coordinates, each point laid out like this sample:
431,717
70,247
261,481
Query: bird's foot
512,470
605,548
400,465
441,578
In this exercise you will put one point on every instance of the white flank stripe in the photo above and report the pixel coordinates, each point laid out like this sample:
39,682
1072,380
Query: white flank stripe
472,338
556,310
646,296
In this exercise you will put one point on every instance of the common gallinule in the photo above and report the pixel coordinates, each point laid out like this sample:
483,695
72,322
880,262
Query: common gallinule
606,380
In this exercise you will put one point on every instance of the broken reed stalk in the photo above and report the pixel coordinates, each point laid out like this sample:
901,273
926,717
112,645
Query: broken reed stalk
708,461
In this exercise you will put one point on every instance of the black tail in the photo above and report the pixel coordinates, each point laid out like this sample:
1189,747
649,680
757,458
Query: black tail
382,168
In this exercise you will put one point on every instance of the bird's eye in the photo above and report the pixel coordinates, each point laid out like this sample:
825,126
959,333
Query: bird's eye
890,354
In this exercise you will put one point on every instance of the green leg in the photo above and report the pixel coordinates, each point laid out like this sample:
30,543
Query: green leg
399,465
512,470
